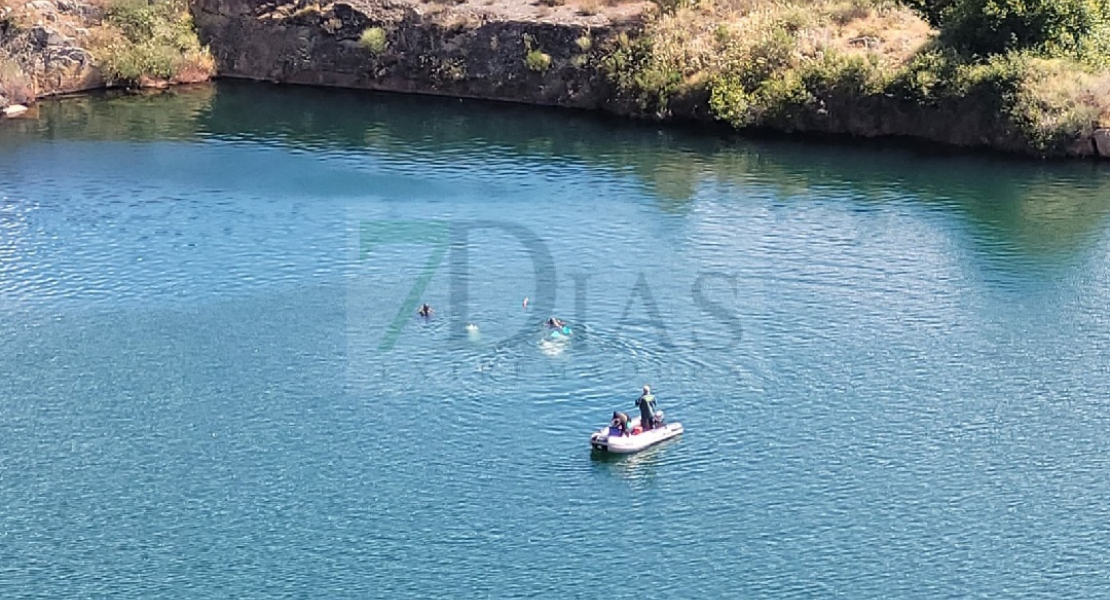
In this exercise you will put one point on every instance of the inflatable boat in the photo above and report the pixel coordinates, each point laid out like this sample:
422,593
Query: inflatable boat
611,439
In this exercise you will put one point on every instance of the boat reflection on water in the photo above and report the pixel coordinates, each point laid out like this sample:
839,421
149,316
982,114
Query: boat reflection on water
633,466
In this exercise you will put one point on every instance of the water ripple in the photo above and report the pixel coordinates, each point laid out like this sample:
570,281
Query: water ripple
890,366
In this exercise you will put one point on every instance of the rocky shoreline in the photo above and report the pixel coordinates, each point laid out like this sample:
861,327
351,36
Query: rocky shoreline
414,47
552,53
494,51
43,50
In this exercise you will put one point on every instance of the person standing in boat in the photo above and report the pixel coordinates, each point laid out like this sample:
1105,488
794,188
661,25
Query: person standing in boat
646,404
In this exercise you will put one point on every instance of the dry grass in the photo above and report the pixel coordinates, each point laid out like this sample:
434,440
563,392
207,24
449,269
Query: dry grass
195,67
708,36
589,8
796,63
1058,98
591,11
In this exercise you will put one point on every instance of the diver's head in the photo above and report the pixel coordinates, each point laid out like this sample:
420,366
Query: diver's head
647,389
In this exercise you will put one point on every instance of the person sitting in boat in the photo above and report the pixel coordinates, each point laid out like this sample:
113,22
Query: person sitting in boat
646,404
621,422
425,311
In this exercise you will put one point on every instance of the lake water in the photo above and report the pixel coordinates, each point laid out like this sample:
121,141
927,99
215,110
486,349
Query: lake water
891,365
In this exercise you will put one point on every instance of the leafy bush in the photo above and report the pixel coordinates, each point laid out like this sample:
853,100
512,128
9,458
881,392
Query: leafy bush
938,73
537,61
835,74
640,77
798,65
731,102
794,89
988,27
758,80
374,40
155,39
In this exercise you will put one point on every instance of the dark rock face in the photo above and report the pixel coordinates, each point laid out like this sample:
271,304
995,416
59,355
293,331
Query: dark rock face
427,49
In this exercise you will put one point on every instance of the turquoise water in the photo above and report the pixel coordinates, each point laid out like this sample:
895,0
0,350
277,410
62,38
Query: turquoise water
891,365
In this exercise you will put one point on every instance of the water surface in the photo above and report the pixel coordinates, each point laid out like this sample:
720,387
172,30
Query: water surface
890,364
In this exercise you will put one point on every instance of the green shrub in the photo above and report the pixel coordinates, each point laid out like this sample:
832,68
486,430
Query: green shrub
758,81
771,53
156,39
641,77
537,61
374,40
783,97
933,11
137,19
730,101
793,89
130,62
834,74
1054,27
939,73
925,77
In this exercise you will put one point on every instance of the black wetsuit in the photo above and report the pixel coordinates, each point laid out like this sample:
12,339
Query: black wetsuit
646,402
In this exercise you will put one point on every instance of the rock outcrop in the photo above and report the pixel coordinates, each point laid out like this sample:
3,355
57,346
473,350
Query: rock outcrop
506,50
551,52
406,46
43,50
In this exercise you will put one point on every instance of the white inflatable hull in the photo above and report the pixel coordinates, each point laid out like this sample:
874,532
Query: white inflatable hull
627,444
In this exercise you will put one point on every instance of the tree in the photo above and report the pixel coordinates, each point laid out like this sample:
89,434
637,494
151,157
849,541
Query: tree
985,27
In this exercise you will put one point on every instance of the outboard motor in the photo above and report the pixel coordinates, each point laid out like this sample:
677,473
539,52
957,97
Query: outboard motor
657,419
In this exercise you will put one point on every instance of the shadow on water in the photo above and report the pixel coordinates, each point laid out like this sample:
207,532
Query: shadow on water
1040,212
117,116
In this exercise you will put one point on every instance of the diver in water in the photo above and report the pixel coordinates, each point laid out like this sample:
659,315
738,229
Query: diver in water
646,404
557,326
425,311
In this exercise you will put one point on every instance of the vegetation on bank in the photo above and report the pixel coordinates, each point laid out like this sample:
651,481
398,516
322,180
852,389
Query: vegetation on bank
1034,74
150,40
374,40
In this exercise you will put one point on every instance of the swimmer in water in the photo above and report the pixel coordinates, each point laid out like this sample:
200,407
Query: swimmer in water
425,311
